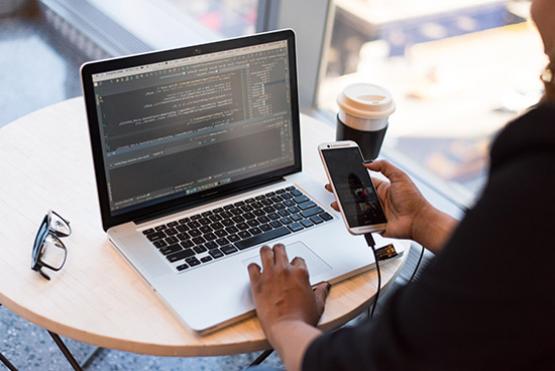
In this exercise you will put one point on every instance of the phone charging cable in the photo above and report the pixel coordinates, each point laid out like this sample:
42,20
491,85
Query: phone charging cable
372,244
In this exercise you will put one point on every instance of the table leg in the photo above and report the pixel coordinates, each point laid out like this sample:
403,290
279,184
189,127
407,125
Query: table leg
7,363
261,358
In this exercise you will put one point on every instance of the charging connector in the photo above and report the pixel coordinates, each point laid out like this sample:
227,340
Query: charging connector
372,244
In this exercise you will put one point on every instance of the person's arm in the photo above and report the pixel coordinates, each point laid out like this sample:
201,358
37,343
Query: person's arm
409,214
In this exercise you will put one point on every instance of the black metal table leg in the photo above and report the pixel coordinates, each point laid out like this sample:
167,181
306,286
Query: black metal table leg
7,363
76,366
261,358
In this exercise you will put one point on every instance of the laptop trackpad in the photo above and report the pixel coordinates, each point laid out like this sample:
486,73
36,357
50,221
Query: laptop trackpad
315,264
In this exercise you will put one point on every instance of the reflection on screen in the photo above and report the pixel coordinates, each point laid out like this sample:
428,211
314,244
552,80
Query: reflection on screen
354,188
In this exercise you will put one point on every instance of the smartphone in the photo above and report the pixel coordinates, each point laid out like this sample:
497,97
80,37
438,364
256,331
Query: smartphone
358,202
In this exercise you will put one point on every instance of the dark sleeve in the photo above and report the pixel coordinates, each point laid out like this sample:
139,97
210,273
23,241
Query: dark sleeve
486,302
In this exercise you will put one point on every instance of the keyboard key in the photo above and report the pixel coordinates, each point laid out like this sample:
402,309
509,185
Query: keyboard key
296,193
187,244
257,205
310,212
183,236
307,223
266,227
207,213
295,227
238,219
160,243
307,205
194,233
263,237
266,202
193,225
258,212
171,240
180,255
269,209
248,216
253,223
236,211
233,238
280,191
217,226
279,206
216,253
326,216
221,233
301,199
156,236
254,231
211,245
287,196
247,208
274,216
285,221
293,210
206,259
204,221
227,222
160,228
182,267
209,236
283,213
170,249
316,219
288,203
172,224
290,188
232,230
239,204
205,229
296,217
276,199
242,226
171,231
200,249
226,215
215,218
182,228
229,249
196,217
264,219
218,210
199,240
275,224
244,234
184,220
270,194
149,231
192,261
222,241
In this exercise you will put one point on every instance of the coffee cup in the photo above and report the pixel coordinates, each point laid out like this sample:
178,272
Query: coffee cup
363,117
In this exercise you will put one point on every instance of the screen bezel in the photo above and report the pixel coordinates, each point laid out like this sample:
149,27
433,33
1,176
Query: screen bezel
88,69
371,228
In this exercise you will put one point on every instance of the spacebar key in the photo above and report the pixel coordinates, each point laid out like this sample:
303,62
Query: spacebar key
261,238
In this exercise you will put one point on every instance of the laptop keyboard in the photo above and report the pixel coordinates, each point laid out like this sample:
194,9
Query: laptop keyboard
226,230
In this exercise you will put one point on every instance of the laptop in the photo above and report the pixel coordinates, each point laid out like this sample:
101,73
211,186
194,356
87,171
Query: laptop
197,157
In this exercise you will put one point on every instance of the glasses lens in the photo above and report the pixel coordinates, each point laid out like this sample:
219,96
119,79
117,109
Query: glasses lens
39,239
53,252
58,225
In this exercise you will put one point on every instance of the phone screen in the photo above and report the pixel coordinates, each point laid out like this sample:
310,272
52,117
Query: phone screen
359,202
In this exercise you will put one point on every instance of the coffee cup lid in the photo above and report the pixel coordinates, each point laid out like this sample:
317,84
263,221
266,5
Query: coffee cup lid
366,101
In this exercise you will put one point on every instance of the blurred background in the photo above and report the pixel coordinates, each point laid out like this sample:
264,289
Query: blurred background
459,71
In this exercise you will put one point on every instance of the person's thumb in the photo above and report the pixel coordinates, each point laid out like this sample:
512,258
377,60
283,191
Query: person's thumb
321,292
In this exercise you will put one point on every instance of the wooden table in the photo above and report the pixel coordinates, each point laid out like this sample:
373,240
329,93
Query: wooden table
97,298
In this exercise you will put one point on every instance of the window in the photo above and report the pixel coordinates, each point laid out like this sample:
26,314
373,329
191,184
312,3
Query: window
458,69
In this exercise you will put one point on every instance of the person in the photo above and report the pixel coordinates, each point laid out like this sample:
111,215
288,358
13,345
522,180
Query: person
485,302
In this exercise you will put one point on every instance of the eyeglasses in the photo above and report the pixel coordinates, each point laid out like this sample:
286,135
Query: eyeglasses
48,250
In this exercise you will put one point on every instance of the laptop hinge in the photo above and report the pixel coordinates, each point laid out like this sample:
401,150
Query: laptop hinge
206,200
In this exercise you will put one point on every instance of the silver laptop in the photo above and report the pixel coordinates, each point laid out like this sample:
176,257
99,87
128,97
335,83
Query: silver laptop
197,155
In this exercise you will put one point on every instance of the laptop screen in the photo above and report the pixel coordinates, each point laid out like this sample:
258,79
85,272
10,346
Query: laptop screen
182,126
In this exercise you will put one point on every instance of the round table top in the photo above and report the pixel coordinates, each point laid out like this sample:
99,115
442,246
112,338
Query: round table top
97,298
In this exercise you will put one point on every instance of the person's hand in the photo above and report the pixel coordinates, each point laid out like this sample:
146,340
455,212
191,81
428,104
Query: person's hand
282,292
402,202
